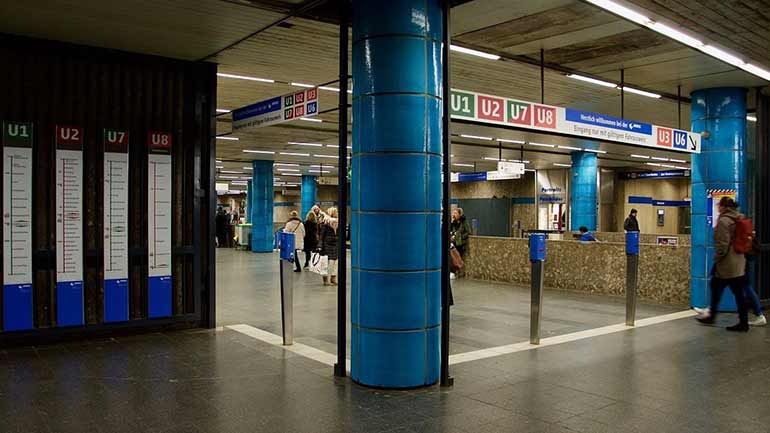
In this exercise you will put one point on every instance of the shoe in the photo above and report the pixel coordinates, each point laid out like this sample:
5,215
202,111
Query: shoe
452,276
298,270
738,328
706,320
700,311
326,281
333,281
757,320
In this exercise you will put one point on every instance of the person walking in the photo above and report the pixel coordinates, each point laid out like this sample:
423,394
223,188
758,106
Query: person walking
311,236
329,240
631,224
220,227
294,225
729,266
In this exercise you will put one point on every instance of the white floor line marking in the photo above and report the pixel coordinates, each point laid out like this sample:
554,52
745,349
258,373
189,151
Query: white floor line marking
330,359
298,348
560,339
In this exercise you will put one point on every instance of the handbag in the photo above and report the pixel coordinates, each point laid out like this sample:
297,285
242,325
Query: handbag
455,261
319,264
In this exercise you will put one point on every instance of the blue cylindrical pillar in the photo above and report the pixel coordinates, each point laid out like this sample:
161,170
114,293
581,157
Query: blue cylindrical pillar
396,193
309,194
583,190
261,211
721,165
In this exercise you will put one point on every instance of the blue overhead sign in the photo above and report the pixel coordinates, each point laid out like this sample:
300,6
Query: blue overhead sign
284,108
595,119
654,174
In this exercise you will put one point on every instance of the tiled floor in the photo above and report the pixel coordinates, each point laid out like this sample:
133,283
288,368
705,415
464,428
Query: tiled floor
485,315
671,377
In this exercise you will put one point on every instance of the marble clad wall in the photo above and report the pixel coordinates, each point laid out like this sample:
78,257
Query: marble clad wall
514,188
664,271
644,238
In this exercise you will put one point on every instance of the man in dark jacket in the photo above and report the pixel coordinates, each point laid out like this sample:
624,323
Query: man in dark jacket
631,224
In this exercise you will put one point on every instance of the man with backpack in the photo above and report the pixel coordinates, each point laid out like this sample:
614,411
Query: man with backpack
732,240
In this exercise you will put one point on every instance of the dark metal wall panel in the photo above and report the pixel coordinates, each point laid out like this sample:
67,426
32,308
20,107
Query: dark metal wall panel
51,83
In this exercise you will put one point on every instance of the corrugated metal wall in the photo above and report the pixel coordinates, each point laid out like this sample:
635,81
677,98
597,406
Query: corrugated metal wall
51,83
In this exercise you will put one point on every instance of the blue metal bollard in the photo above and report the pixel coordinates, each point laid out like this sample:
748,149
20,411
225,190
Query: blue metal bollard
537,258
632,275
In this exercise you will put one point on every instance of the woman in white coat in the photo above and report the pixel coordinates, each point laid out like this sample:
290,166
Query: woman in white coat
294,225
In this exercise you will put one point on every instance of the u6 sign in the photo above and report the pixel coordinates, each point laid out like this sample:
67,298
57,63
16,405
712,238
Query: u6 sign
478,107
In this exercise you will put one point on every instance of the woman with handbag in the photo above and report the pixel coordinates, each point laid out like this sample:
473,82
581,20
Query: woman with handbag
329,241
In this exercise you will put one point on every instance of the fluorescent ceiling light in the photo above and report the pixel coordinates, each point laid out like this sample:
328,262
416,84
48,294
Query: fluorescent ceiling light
474,52
678,160
268,152
311,119
654,164
668,166
595,150
245,77
248,168
230,172
286,165
682,168
228,177
299,143
640,156
541,144
457,164
238,182
569,147
331,89
756,70
476,137
220,166
294,154
493,159
319,171
287,169
592,80
301,85
326,156
621,11
222,110
322,166
641,92
751,118
451,156
226,137
722,55
333,145
510,141
657,158
291,174
676,35
562,165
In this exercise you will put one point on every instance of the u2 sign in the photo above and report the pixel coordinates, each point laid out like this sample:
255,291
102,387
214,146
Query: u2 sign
477,107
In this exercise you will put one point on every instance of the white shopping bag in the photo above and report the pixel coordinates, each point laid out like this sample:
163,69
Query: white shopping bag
319,264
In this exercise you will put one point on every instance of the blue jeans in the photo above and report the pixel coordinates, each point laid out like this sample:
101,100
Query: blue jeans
751,297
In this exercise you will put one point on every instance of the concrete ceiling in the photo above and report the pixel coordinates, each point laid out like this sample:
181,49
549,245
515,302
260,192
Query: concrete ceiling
573,34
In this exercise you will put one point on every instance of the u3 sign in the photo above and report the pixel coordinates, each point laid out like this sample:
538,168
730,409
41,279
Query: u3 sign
478,107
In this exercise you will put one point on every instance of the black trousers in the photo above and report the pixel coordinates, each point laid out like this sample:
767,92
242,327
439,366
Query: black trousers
736,286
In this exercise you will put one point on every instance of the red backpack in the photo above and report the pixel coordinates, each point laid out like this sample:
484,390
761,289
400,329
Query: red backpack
744,236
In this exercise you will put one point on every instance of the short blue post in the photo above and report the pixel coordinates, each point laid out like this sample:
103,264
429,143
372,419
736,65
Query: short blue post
537,258
286,254
632,275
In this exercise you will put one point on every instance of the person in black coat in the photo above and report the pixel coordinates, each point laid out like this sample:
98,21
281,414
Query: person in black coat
631,224
329,243
311,236
220,227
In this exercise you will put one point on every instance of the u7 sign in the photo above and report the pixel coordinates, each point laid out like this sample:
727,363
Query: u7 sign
478,107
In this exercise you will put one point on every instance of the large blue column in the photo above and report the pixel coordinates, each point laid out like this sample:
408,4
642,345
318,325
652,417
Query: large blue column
720,165
396,193
309,194
261,211
582,189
